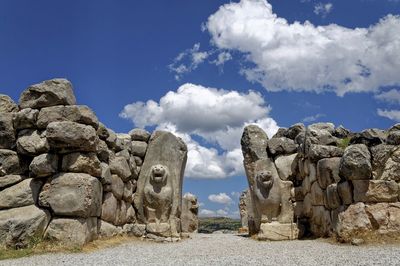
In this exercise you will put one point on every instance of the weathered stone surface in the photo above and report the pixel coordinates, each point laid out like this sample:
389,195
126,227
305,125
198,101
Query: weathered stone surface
341,132
7,132
254,143
295,130
328,171
321,133
139,134
317,195
276,231
360,188
139,148
332,196
111,140
108,230
82,163
72,231
76,113
306,185
376,191
123,142
26,118
22,194
9,180
121,213
345,192
32,142
353,222
130,214
48,93
189,218
109,207
391,170
134,168
278,146
356,163
307,204
317,152
7,105
320,221
243,208
380,155
138,161
105,178
369,137
137,230
19,225
128,192
280,133
10,163
298,210
103,153
393,137
117,186
120,167
102,131
159,192
73,194
70,136
298,194
284,166
44,165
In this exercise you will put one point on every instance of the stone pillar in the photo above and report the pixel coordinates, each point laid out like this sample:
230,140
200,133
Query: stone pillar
189,218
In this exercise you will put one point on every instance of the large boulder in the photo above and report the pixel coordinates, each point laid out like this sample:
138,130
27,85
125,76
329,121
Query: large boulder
32,142
77,113
353,222
328,171
189,218
7,105
139,148
72,231
7,132
321,133
254,143
73,194
82,163
380,155
139,134
393,137
108,230
117,186
345,192
295,130
22,194
369,137
356,163
109,208
120,167
26,118
277,146
373,191
11,163
317,152
44,165
70,136
19,225
9,180
332,197
391,168
284,166
48,93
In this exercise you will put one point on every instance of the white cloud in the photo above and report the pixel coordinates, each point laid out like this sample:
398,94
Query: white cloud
221,198
391,114
235,194
217,116
312,118
207,213
392,96
188,61
222,58
222,213
323,9
304,57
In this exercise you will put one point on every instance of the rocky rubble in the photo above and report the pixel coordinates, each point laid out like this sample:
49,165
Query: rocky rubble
65,176
338,189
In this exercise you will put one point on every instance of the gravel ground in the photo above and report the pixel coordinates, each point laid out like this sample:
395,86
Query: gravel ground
219,249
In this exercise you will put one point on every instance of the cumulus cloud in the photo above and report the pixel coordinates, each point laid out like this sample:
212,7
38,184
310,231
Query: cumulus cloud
188,61
312,118
305,57
207,213
323,9
392,96
390,114
217,116
221,198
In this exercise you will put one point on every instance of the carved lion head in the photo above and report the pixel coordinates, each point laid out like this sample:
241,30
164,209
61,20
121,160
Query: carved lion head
265,179
159,173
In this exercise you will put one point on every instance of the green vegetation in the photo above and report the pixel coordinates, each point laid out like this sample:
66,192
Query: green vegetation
210,225
344,143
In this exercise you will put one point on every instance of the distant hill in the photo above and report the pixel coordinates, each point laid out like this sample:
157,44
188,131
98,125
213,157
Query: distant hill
210,225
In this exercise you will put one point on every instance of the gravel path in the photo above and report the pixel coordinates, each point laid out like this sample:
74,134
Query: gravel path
219,249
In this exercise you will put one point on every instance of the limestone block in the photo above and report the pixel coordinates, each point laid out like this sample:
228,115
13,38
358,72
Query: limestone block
21,194
356,163
317,195
328,171
44,165
82,163
119,166
284,166
139,134
9,180
117,187
26,118
139,148
332,195
7,105
276,231
109,208
345,192
7,132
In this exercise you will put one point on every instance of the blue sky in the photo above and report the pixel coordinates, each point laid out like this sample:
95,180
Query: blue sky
204,70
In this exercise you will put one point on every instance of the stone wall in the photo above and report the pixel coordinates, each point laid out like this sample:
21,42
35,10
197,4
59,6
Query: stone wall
65,176
341,183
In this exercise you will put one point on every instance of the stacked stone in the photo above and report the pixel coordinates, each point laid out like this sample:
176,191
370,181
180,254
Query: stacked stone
244,205
189,216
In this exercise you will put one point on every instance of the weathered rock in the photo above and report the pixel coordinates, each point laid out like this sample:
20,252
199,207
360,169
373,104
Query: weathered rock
320,221
189,218
137,230
138,161
72,231
124,153
108,230
9,180
139,134
376,191
111,140
391,170
298,194
393,137
280,133
48,93
284,166
121,213
139,148
109,207
356,163
128,192
254,143
22,194
7,132
332,196
123,142
70,136
117,187
278,146
317,195
32,142
73,194
317,152
102,131
295,130
26,118
328,171
44,165
276,231
380,155
133,168
19,225
158,196
369,137
353,222
105,178
321,133
103,153
360,188
345,192
341,132
76,113
306,185
307,205
120,167
130,214
243,208
82,163
10,163
7,105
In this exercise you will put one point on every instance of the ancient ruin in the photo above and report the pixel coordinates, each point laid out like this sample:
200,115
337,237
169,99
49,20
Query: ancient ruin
322,181
65,176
